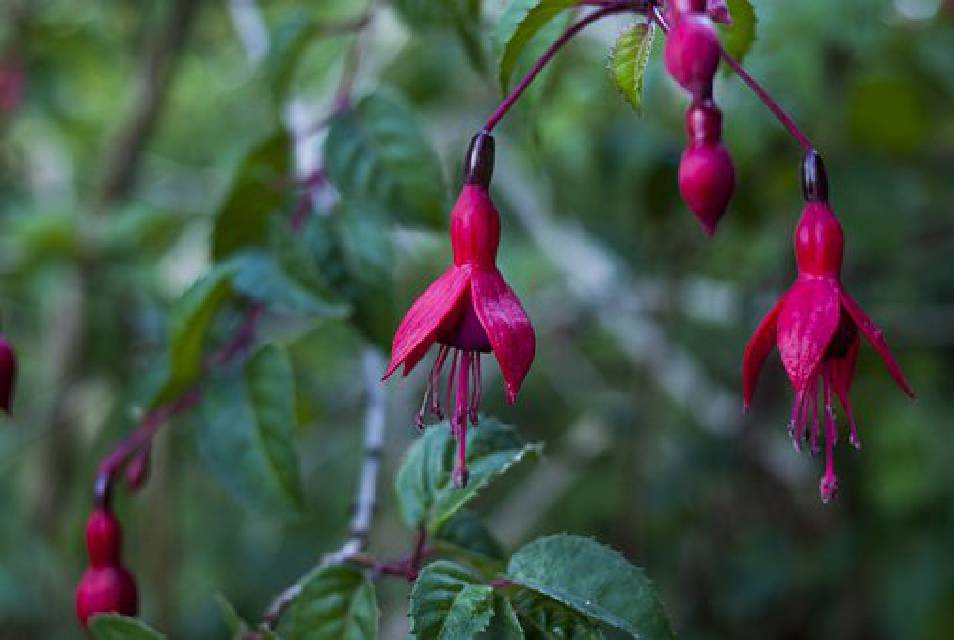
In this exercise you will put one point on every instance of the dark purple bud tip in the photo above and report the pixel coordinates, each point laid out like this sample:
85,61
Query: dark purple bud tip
479,162
8,374
461,476
814,178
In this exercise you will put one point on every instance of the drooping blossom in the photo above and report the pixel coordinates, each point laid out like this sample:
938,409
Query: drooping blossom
706,173
8,373
106,586
816,326
468,311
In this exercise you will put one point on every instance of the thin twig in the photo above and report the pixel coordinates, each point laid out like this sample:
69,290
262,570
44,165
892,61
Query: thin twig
607,10
154,77
372,365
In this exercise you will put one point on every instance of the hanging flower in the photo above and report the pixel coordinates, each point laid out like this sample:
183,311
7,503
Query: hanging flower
469,311
816,327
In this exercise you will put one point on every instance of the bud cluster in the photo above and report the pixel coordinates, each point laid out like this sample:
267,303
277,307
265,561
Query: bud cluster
106,586
706,174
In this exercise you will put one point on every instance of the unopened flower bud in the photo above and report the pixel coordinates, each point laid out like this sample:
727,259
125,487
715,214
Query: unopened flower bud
706,182
692,53
106,590
8,374
103,538
137,470
704,122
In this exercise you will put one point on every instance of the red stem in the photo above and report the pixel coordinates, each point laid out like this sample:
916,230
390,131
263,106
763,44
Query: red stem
609,9
754,85
153,421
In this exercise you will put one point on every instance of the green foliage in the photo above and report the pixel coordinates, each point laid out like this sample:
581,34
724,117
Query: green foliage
504,624
115,627
520,21
546,619
425,489
258,189
247,435
259,276
449,603
189,323
593,580
375,150
465,535
628,61
738,37
336,603
462,16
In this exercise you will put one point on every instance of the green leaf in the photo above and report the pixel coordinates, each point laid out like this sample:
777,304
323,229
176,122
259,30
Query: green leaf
546,619
448,603
362,230
628,61
593,580
463,16
189,322
425,490
257,190
504,625
285,46
377,151
466,530
739,37
520,21
337,603
115,627
260,277
247,433
233,621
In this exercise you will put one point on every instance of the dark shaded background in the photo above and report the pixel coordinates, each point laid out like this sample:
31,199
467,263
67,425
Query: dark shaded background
641,320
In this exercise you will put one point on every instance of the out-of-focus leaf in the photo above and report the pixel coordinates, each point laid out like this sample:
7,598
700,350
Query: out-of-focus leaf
236,626
738,37
189,322
337,603
376,151
463,16
449,603
425,490
115,627
545,619
466,534
142,231
520,21
366,253
886,114
259,276
628,61
258,189
593,580
285,46
248,430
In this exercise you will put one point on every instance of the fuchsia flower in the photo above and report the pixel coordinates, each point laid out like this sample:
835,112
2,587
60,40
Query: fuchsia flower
470,310
816,325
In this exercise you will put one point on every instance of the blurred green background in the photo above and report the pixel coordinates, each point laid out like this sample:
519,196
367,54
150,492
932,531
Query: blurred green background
641,320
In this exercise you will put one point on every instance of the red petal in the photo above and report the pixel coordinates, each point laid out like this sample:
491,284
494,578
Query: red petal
843,371
876,338
431,315
507,325
758,349
806,325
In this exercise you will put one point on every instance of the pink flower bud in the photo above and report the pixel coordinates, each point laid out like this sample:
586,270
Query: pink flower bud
706,182
704,123
103,538
692,53
8,373
137,470
819,241
106,590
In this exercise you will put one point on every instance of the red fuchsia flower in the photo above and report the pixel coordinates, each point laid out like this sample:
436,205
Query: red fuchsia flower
469,311
816,327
